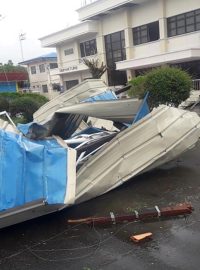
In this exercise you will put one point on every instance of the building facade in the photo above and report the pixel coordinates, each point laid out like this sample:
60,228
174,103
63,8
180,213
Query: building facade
130,37
43,76
13,81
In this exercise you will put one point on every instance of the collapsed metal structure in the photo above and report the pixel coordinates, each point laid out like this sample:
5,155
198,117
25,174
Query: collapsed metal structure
83,143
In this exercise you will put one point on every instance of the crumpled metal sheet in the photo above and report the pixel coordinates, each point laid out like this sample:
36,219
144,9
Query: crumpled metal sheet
118,110
193,98
156,139
65,124
5,125
80,92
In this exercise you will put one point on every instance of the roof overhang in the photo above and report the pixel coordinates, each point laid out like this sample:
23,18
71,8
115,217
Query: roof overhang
156,60
69,34
102,7
38,60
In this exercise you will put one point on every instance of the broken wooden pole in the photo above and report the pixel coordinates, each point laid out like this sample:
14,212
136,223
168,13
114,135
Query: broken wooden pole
140,215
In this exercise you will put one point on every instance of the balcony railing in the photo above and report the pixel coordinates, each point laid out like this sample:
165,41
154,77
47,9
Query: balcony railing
196,84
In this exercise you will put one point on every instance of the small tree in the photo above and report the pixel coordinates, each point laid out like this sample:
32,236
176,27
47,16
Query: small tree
96,69
21,106
166,85
10,67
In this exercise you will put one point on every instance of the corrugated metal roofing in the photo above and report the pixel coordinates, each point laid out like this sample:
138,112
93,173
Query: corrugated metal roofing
13,76
44,57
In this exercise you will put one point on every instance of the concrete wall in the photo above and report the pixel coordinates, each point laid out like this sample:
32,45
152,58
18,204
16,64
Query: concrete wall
145,13
190,40
80,76
114,23
174,7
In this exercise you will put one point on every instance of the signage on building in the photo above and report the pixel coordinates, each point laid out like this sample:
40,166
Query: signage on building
72,68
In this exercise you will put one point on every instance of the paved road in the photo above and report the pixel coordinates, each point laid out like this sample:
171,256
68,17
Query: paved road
48,242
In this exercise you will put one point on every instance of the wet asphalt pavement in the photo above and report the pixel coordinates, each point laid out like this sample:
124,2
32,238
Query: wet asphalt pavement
49,243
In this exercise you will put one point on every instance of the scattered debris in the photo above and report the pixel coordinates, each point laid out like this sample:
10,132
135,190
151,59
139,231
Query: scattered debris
140,215
141,237
192,101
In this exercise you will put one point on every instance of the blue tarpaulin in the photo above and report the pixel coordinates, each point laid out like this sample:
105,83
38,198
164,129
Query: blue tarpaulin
107,95
31,170
143,110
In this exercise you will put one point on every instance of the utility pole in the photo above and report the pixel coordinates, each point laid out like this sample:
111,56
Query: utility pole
50,88
22,37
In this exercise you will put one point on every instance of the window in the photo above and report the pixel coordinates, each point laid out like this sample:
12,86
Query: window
115,51
192,67
183,23
146,33
69,51
70,84
44,88
53,65
115,48
42,68
88,48
33,70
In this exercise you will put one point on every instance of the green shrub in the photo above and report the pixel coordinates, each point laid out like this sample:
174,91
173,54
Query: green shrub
25,106
10,96
4,104
137,89
166,85
21,106
38,98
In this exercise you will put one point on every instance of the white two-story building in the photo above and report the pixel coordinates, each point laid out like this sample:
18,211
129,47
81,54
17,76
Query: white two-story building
43,75
130,37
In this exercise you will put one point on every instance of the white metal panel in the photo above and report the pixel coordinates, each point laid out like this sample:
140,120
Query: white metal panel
84,90
159,137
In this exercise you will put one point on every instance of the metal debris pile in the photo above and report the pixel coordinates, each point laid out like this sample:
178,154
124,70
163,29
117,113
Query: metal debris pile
82,144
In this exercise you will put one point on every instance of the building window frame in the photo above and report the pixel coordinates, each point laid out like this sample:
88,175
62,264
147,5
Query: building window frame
68,51
88,48
53,65
71,83
44,88
183,23
146,33
33,70
115,48
115,51
42,68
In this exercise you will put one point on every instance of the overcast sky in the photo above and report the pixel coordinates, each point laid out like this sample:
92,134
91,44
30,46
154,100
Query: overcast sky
35,18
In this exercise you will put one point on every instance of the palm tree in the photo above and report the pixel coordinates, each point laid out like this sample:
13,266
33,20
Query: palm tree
96,69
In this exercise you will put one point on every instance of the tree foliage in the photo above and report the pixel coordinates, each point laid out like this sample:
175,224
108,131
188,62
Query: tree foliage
25,106
166,85
95,68
138,85
10,67
21,106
